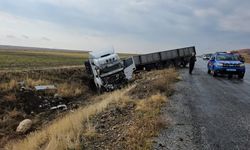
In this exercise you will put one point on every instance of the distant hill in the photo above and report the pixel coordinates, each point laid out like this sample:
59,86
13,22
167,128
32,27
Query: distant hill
245,51
22,48
246,54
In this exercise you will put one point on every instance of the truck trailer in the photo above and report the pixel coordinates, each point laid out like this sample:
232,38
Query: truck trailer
176,57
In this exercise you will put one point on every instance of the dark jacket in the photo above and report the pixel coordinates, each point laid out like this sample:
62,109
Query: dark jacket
192,60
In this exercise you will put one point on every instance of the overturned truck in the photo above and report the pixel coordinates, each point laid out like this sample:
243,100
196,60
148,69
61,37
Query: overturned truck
108,72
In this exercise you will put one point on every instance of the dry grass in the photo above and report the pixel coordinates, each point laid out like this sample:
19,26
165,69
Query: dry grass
11,85
14,113
155,101
32,82
63,89
90,130
64,133
70,89
147,122
11,97
164,78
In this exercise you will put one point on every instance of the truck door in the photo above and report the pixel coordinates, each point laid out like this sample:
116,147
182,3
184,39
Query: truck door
129,67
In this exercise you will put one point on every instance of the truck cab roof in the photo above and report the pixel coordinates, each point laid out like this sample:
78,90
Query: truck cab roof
101,53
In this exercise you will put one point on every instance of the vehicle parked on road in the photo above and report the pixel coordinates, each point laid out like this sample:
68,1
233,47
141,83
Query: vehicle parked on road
226,63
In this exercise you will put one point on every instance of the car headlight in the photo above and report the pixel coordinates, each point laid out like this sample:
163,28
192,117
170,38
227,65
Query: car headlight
219,64
242,65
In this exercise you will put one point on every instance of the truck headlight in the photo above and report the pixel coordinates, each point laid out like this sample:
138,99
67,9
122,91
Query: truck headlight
98,71
242,65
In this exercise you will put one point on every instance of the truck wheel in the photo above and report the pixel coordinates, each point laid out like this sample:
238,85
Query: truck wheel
241,76
230,76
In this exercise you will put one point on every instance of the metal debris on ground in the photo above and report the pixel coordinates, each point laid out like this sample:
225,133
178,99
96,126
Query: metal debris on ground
62,107
45,87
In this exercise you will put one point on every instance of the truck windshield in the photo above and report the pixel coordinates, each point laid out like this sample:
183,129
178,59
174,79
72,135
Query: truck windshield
227,57
112,68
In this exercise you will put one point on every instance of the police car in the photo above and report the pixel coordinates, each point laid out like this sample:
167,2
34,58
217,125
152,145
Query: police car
226,63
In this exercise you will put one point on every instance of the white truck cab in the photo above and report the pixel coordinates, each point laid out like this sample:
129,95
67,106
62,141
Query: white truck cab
108,71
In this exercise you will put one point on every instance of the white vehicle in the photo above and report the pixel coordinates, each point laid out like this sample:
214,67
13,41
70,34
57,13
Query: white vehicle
108,71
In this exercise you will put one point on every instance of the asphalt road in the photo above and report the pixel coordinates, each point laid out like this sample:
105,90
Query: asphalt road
208,113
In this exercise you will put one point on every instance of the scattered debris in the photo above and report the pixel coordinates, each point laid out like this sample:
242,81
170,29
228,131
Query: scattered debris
24,126
62,107
22,100
45,87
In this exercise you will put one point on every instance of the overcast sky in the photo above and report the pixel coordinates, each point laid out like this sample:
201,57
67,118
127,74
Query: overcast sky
137,26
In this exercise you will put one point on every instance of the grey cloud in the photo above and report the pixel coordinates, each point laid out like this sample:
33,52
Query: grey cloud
25,36
46,39
11,36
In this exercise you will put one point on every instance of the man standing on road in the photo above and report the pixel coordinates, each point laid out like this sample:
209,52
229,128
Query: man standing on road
192,61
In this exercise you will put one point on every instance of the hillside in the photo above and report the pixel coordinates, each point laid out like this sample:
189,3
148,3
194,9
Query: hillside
247,51
246,54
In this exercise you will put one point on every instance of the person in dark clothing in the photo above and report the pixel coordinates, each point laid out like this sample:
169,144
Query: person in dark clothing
192,61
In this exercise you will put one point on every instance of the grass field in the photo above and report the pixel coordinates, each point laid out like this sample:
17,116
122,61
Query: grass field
38,59
28,59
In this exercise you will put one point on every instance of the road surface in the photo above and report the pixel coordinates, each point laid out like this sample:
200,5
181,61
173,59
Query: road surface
208,113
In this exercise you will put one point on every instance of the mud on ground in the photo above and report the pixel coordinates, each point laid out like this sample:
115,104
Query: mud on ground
24,101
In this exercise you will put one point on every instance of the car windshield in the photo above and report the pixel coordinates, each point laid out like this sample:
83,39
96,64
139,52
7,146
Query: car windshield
228,57
112,68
